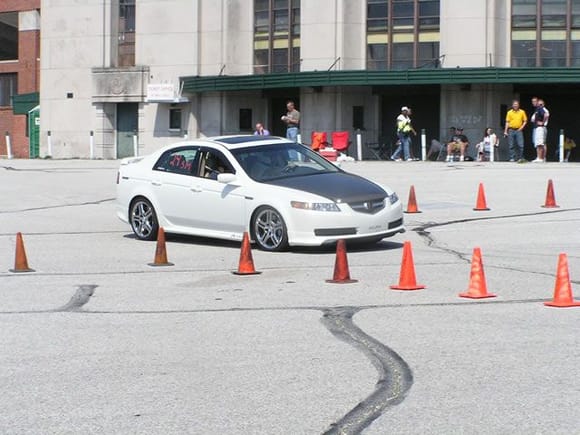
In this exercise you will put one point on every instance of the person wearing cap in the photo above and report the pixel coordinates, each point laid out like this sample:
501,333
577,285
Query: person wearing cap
404,130
458,142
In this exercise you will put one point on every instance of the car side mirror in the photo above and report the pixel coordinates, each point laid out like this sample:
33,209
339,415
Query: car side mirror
226,178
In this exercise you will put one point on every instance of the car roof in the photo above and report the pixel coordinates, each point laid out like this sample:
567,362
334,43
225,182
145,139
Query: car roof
242,141
228,142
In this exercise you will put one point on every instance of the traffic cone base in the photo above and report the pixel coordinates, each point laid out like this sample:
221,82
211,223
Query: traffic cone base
20,261
477,285
476,296
407,279
402,287
246,263
550,197
160,251
412,204
562,304
481,204
563,297
341,273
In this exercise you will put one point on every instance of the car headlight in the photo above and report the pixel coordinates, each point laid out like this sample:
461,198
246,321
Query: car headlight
393,197
316,206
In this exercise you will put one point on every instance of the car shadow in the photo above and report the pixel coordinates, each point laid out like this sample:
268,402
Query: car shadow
383,245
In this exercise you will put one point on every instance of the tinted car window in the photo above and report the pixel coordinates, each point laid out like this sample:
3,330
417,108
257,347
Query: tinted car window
212,163
178,161
264,163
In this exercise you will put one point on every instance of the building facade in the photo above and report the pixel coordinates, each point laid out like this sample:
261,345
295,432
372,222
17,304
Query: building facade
19,74
120,77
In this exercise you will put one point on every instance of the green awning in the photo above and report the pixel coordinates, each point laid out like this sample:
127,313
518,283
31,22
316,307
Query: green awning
437,76
24,103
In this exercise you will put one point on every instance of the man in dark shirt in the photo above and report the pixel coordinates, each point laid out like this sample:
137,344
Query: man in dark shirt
458,142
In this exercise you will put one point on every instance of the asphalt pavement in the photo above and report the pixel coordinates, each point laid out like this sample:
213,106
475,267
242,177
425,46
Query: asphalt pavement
96,341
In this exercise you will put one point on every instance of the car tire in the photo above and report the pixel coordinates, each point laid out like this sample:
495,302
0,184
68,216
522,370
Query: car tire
269,229
143,219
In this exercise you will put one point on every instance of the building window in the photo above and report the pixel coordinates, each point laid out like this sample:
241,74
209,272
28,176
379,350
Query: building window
9,36
358,117
126,47
402,34
276,36
175,118
245,123
8,88
545,33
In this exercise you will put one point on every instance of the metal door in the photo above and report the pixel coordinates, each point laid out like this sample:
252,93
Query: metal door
34,132
127,115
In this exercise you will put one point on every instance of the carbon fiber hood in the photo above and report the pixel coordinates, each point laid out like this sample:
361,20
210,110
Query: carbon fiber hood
337,186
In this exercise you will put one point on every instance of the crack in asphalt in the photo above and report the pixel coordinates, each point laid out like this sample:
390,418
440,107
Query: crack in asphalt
395,375
293,308
49,207
422,231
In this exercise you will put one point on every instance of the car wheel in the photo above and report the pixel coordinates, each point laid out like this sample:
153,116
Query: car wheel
269,230
143,219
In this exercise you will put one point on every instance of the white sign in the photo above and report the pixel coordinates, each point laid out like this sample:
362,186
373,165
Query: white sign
160,91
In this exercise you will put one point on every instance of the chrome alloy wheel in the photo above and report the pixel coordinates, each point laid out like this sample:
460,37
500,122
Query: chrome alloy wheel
269,230
143,219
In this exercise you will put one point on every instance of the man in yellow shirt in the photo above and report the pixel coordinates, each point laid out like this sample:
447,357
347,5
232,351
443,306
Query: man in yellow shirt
515,121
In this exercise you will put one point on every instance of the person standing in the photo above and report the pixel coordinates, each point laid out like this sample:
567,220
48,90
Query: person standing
260,130
515,121
540,122
404,130
292,120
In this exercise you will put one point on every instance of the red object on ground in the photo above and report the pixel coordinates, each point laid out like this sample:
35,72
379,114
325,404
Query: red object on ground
550,197
341,272
477,285
563,289
481,205
246,263
412,204
407,279
160,250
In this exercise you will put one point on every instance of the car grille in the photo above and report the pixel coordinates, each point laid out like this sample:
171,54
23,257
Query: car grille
334,231
396,223
370,207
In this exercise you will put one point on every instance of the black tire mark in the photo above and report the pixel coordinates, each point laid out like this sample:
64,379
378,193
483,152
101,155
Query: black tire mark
395,375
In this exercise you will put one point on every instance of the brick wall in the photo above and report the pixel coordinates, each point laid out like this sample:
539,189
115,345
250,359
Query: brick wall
28,69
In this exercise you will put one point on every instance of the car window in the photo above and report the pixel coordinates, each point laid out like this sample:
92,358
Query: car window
264,163
212,163
178,161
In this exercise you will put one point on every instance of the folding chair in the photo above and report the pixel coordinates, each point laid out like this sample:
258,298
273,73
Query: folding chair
318,140
340,141
379,150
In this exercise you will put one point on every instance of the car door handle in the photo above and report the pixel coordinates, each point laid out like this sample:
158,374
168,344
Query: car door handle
156,183
196,189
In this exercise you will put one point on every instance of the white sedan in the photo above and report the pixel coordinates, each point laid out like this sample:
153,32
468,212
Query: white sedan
281,192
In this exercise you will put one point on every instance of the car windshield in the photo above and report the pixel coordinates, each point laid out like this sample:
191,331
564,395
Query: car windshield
270,162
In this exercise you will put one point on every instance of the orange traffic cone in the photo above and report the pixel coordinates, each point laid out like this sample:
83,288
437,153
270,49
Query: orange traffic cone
481,205
341,273
246,265
407,279
550,198
412,204
477,286
20,261
563,290
160,250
